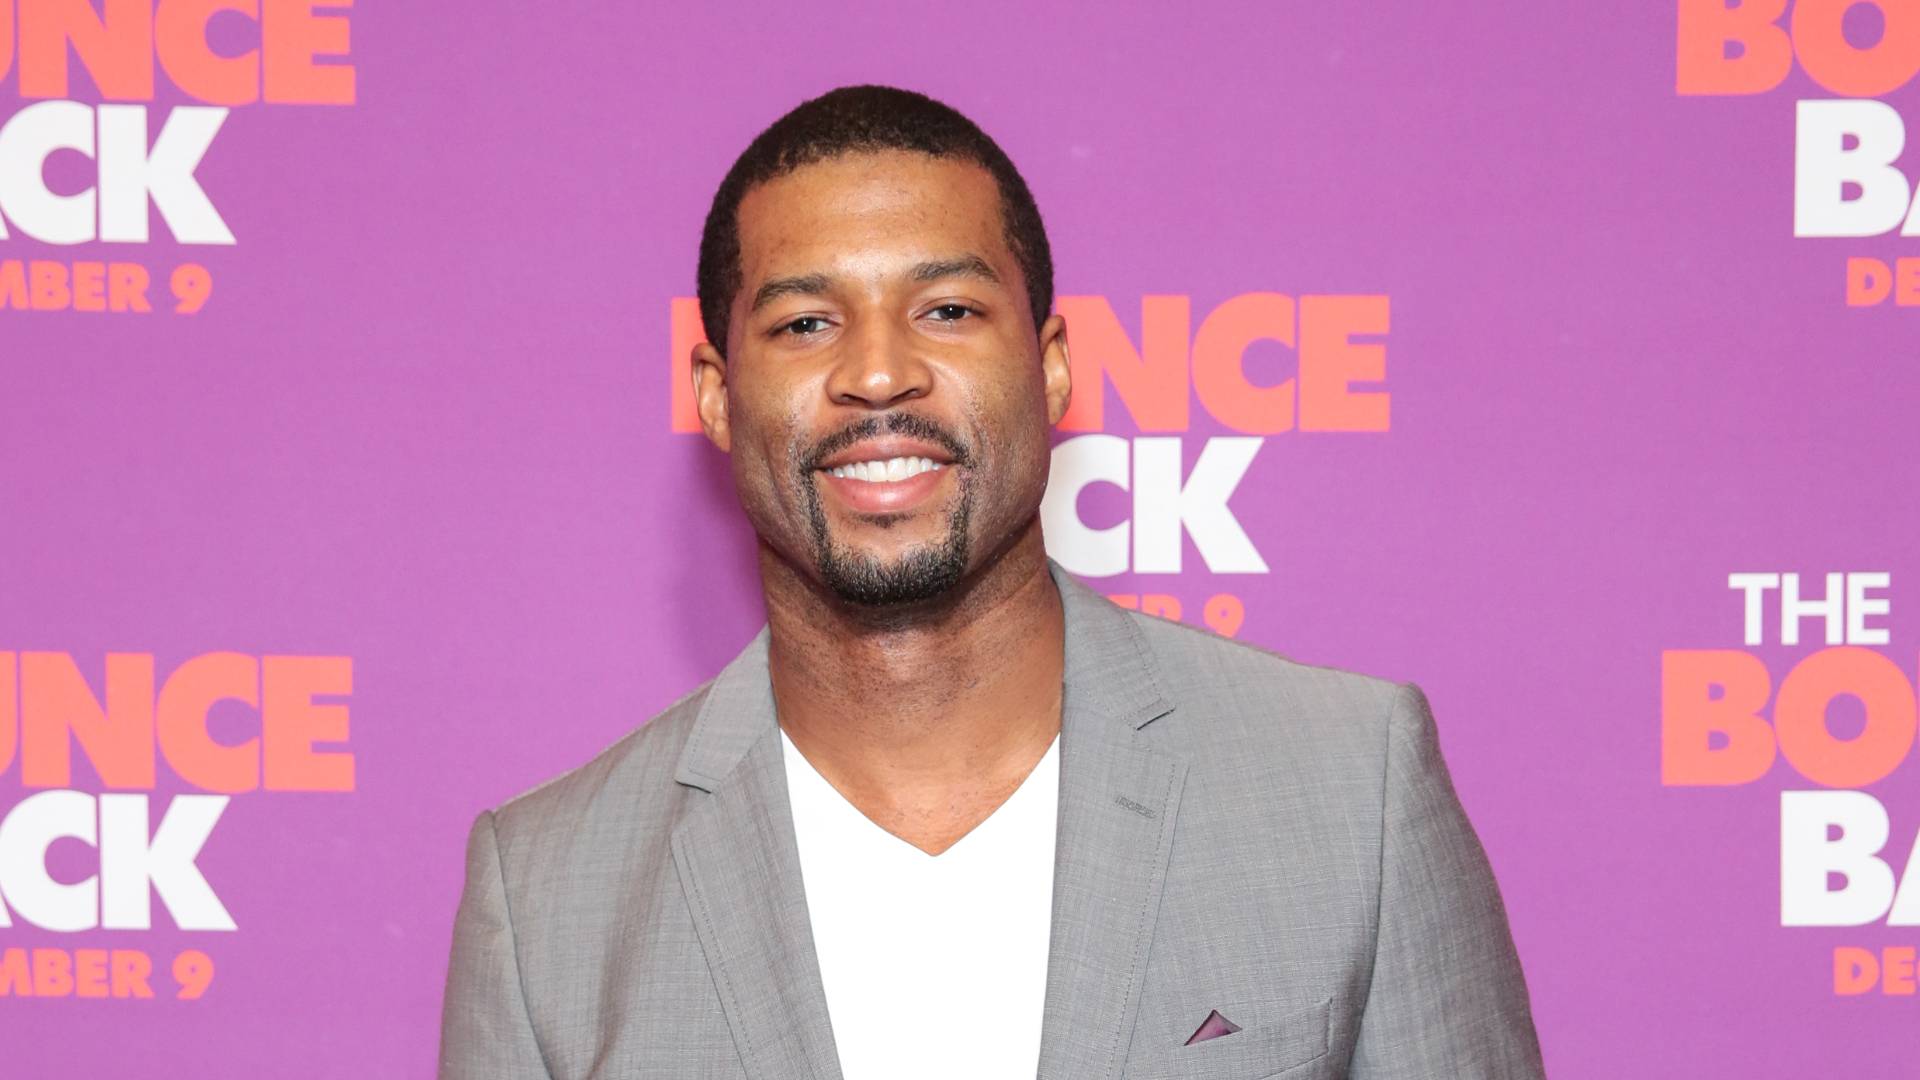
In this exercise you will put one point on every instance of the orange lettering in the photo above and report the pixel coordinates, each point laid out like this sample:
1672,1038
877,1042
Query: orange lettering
683,316
16,978
1830,59
1897,970
13,285
1161,604
1152,382
90,973
130,970
114,44
127,287
56,705
1855,970
293,723
1869,281
1906,286
52,973
180,38
6,47
291,36
89,286
1800,717
48,281
1219,352
1690,716
185,701
1330,363
1708,27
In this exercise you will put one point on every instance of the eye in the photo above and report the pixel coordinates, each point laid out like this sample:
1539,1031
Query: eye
803,326
952,312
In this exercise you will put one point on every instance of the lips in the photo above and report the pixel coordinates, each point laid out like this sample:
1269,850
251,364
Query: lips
892,470
886,474
884,448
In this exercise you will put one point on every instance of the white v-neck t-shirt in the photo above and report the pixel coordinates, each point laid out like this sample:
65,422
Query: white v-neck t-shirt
935,966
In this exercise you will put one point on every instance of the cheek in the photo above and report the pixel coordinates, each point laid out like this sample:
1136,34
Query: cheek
1017,439
758,458
774,506
766,471
765,419
1023,403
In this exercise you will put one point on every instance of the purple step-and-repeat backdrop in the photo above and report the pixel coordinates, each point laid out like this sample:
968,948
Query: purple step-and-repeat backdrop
1563,361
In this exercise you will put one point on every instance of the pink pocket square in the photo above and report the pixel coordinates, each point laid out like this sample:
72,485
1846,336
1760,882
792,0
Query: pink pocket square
1212,1027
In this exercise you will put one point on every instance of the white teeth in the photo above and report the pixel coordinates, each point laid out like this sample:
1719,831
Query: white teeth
890,470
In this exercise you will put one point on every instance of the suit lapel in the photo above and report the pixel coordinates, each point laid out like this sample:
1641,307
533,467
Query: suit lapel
740,870
1118,800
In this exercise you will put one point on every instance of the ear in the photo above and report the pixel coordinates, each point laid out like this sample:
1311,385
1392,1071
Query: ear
710,395
1055,368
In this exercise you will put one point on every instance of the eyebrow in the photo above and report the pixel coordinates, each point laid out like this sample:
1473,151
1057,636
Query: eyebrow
800,285
960,266
964,266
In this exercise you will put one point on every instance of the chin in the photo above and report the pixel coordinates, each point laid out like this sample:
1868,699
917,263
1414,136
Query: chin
920,574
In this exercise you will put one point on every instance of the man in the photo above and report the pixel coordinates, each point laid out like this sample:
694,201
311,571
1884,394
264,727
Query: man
951,814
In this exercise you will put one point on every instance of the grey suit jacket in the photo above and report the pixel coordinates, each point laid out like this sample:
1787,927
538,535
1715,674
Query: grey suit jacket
1237,832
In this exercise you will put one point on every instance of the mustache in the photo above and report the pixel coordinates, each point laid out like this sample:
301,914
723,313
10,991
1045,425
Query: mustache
913,425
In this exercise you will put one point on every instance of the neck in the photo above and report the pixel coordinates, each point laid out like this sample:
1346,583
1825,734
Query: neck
921,716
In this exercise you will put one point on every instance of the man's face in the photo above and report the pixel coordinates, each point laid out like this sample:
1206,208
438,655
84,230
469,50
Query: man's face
885,398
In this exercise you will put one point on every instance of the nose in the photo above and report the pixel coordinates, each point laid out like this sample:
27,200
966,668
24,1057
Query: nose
878,367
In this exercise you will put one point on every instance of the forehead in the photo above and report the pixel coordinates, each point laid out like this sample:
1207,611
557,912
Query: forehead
864,214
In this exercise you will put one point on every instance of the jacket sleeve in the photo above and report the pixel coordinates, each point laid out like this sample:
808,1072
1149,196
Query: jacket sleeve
485,1029
1447,998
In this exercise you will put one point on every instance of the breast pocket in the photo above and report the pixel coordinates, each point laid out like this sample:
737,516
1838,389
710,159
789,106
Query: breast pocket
1291,1040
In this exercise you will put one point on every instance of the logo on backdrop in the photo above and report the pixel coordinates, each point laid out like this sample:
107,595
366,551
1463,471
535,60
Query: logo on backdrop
87,850
1847,179
76,173
1841,864
1166,487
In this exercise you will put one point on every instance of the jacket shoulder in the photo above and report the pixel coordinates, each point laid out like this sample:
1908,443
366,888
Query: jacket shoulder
1237,695
629,783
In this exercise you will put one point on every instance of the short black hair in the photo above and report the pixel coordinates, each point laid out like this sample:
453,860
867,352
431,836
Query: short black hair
864,119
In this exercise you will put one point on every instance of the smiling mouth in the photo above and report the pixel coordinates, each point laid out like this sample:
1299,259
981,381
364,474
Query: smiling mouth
884,470
884,488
